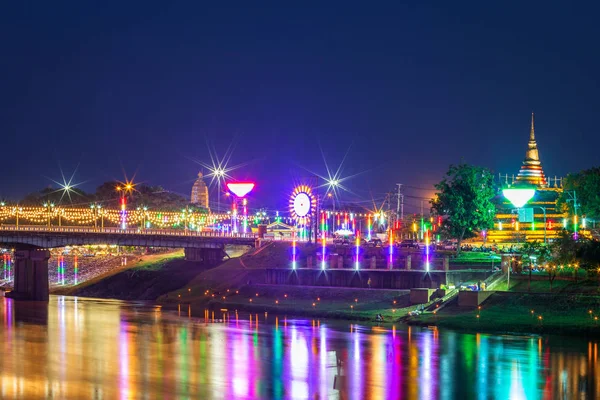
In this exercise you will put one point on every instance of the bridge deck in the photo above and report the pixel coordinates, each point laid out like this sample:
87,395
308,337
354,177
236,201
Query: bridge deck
53,236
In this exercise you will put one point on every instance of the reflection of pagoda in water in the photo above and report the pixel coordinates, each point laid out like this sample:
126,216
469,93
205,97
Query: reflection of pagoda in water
547,218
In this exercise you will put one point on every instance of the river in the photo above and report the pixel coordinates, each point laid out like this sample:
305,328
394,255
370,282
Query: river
101,349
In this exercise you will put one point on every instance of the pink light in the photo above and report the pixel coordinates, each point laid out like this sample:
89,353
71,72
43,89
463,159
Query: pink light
240,189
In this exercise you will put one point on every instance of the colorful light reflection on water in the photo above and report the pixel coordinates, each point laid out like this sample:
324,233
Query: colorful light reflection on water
79,348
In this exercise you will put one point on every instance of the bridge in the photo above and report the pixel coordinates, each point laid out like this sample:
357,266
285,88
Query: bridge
31,244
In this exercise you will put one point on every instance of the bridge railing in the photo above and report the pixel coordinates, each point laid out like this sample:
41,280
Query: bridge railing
129,231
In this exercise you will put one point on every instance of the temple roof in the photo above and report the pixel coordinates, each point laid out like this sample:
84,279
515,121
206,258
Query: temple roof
531,171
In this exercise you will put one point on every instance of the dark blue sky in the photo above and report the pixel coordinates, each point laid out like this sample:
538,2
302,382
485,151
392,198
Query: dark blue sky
412,88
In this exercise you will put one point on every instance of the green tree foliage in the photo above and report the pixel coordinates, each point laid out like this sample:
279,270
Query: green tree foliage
588,255
587,186
564,249
152,197
531,250
464,201
72,197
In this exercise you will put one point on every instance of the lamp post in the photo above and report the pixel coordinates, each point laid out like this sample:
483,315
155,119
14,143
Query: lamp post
123,191
95,213
16,210
144,211
49,207
545,225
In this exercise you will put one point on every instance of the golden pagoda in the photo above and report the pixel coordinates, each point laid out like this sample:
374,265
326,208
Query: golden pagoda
199,195
531,171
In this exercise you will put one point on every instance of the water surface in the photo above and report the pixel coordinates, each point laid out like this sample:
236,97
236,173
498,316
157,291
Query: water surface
102,349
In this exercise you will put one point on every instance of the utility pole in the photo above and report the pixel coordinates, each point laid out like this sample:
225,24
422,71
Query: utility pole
400,207
573,197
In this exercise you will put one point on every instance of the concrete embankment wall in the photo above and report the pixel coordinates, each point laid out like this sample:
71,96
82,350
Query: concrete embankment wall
380,279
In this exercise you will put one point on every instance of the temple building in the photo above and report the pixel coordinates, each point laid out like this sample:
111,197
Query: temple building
200,193
531,171
540,218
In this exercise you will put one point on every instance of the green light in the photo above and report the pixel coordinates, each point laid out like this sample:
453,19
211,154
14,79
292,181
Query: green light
518,196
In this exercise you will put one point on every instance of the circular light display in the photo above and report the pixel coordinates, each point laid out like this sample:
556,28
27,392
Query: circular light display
302,202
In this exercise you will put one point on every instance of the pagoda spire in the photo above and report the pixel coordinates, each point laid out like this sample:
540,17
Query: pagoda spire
531,171
532,131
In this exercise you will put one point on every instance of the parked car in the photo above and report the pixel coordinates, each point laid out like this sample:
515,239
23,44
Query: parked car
375,242
409,244
448,245
342,240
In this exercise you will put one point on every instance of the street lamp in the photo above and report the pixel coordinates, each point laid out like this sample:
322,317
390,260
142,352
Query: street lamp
96,209
49,207
60,212
16,211
545,225
519,196
144,211
123,190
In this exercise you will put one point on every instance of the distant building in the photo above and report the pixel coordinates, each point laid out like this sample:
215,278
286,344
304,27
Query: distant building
548,219
531,171
200,193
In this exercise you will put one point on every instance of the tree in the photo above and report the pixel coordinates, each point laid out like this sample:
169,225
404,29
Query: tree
464,201
588,255
531,250
70,197
564,252
587,186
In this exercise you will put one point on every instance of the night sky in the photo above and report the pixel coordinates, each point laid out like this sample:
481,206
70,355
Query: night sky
406,90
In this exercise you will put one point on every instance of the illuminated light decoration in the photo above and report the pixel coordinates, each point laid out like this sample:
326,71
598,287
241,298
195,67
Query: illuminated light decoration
427,243
123,213
516,225
369,227
76,270
302,206
518,196
550,225
302,202
240,189
583,223
245,205
414,226
357,249
564,223
499,225
323,241
391,249
294,248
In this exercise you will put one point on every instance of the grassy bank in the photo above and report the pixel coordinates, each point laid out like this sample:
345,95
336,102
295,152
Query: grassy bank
506,312
323,302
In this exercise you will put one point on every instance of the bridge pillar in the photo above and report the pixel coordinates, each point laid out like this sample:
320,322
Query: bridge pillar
209,256
31,275
193,254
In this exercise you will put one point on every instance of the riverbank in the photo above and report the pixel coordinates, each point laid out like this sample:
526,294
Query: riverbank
318,302
145,278
524,313
239,284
